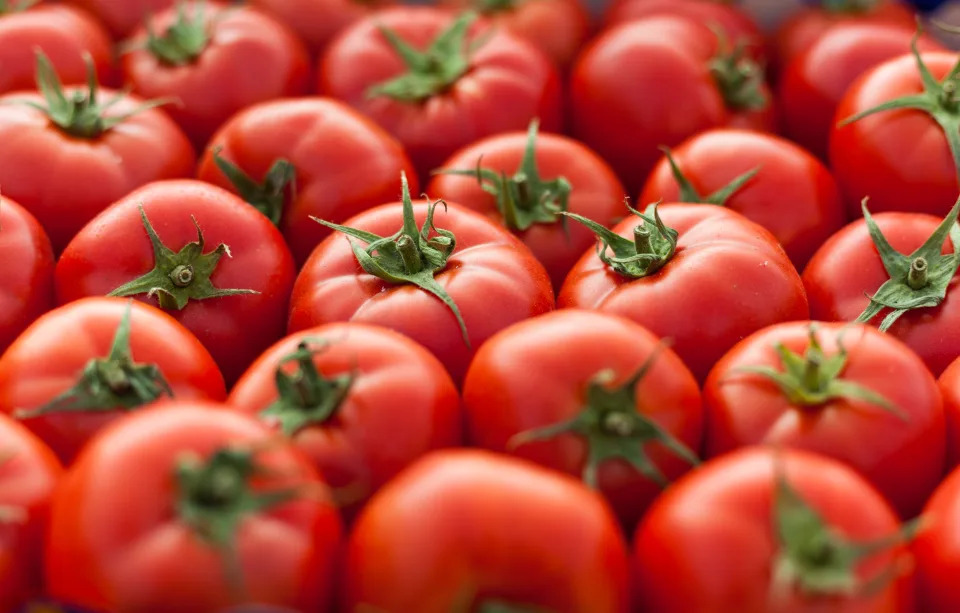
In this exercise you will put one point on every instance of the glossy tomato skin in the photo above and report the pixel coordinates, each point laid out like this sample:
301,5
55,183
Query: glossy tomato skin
682,549
597,193
64,181
950,388
902,457
497,529
488,267
728,278
613,108
29,474
867,156
793,194
117,544
345,163
935,549
123,17
536,373
509,83
39,365
847,270
251,57
401,405
26,277
114,249
316,22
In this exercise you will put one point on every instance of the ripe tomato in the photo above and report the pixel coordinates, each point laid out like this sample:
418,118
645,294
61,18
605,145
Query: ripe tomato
191,508
950,388
361,401
122,17
26,277
316,22
216,60
152,245
592,395
848,392
436,285
69,161
499,535
762,531
789,192
699,84
438,82
315,157
522,180
29,473
721,279
935,550
122,355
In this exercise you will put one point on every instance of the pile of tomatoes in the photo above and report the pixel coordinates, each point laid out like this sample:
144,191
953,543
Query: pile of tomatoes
345,305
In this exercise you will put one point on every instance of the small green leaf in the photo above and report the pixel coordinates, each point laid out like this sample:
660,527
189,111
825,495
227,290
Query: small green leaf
184,41
268,196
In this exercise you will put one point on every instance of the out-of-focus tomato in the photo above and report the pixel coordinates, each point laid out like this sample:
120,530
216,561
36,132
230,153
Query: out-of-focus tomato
316,22
122,16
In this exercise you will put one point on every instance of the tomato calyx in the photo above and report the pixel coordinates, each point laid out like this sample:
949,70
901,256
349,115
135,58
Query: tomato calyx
689,193
848,7
411,256
268,196
490,7
502,606
919,280
613,429
178,277
8,7
739,78
525,198
184,41
108,383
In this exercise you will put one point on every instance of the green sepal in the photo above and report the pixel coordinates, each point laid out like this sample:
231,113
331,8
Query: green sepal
739,78
184,41
503,606
179,277
848,7
8,7
689,193
268,196
491,7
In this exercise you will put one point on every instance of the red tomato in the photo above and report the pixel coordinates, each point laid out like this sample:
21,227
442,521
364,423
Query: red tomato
562,390
122,355
26,277
473,81
525,179
123,16
235,305
792,194
760,531
29,473
191,508
361,401
722,279
316,22
698,85
950,388
496,535
853,393
342,164
216,60
935,550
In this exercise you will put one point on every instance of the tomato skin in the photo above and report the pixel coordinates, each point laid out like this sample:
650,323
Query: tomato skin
114,249
122,17
251,58
39,365
345,162
847,270
116,543
316,22
793,194
728,278
28,477
597,193
949,383
401,405
509,83
935,549
26,277
535,374
497,528
682,559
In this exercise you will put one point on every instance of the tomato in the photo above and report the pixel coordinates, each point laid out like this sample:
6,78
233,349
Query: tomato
333,161
216,60
435,285
439,82
524,180
590,394
121,355
699,84
790,192
708,277
935,550
29,472
26,277
361,401
152,245
192,508
759,531
848,280
950,388
68,162
498,535
122,17
316,22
